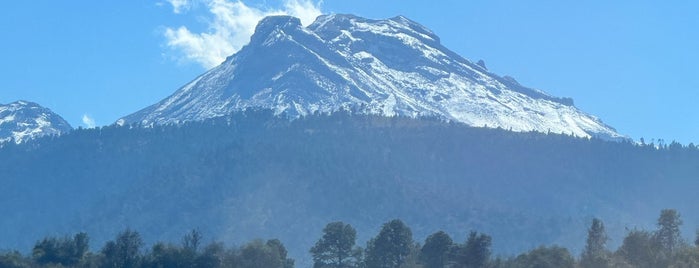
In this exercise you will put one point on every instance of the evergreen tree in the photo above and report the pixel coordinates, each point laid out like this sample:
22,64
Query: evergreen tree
65,251
47,250
124,252
13,259
336,248
475,253
390,247
271,254
637,249
80,246
668,236
257,254
595,254
435,252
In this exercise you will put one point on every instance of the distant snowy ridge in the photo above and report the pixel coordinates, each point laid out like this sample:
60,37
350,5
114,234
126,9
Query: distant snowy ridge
23,120
386,67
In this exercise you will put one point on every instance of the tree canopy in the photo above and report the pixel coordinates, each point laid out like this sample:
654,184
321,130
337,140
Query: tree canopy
336,248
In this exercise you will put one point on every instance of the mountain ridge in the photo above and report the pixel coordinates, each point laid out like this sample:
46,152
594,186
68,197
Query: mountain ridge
387,67
24,120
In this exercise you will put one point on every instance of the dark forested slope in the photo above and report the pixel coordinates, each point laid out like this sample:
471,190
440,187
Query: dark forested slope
254,175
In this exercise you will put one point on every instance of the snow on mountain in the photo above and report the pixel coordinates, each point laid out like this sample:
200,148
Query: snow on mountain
387,67
22,120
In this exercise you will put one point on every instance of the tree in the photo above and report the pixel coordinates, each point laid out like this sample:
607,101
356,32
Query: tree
190,248
257,254
475,253
13,259
685,257
390,247
668,235
413,259
213,255
125,251
164,255
337,246
65,251
47,251
279,250
435,252
192,240
637,249
595,253
81,245
271,254
543,257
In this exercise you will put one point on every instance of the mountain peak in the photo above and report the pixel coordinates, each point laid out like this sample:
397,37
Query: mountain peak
23,103
273,28
270,24
388,67
24,120
332,25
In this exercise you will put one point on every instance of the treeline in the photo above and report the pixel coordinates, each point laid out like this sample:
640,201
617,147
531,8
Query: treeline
393,247
663,247
127,250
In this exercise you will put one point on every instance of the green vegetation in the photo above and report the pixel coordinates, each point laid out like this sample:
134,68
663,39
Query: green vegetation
127,251
336,249
259,174
595,254
392,247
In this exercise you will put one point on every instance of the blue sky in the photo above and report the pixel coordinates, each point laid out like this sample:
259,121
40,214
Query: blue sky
631,63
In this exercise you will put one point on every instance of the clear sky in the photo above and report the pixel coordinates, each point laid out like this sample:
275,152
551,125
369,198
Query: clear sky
634,64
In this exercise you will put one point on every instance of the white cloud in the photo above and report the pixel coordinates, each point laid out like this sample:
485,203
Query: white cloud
306,11
88,121
179,6
230,27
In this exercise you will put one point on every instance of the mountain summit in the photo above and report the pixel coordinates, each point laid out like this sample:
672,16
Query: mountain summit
388,67
23,120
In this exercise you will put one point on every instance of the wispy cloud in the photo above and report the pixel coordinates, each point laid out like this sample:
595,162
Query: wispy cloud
230,27
88,121
179,6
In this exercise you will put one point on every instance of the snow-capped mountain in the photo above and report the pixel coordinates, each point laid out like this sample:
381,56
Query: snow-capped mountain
22,120
388,67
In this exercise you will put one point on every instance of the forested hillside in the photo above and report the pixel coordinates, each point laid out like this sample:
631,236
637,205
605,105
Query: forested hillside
253,175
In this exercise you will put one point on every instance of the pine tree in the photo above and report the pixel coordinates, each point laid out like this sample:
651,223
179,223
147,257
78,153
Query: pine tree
435,252
595,253
668,235
336,248
390,247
